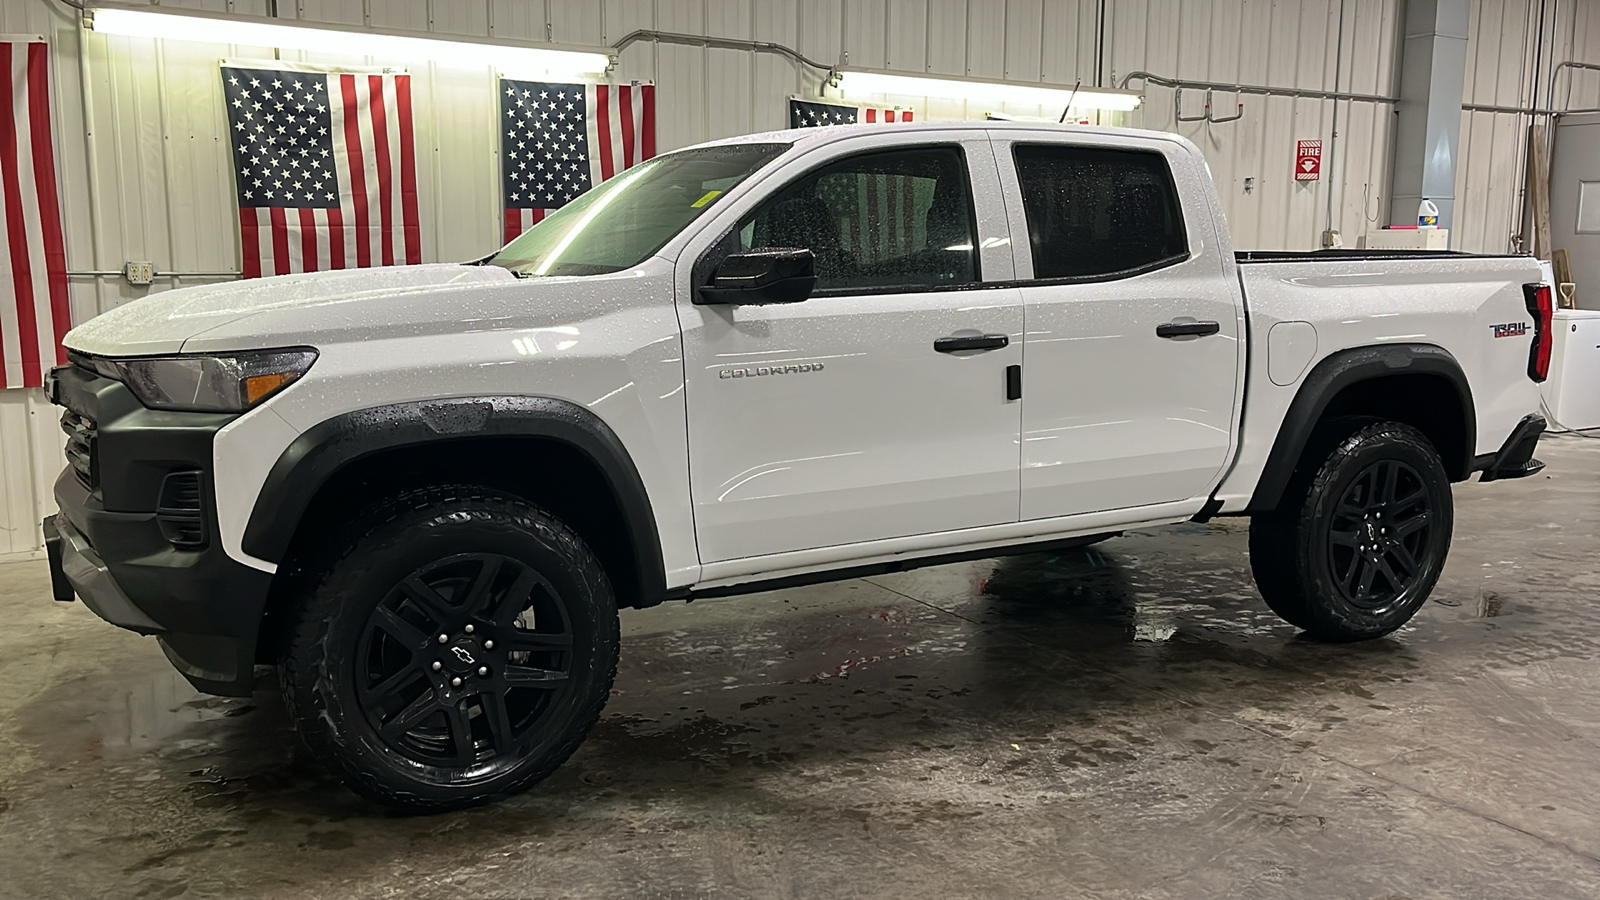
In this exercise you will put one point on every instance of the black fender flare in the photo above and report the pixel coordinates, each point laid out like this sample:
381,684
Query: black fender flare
1337,372
320,452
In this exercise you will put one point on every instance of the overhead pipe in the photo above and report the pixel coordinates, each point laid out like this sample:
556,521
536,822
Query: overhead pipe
1262,90
1208,112
1550,96
719,43
1550,110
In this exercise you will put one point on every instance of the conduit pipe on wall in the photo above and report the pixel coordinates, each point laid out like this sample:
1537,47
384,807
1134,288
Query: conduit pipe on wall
720,43
1261,90
1552,110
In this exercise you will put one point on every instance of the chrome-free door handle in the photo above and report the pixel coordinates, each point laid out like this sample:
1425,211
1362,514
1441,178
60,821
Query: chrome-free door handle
1187,329
976,342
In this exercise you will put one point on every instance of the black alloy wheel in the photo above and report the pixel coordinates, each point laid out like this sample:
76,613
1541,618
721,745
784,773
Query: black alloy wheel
459,663
1378,534
1360,535
456,650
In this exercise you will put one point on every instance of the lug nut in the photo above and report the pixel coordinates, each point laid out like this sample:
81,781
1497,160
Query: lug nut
469,629
455,682
444,638
488,645
483,670
437,665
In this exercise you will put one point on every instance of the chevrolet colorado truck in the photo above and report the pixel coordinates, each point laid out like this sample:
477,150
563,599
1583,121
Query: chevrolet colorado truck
423,493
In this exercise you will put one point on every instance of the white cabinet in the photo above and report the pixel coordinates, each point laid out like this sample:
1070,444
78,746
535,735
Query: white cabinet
1573,391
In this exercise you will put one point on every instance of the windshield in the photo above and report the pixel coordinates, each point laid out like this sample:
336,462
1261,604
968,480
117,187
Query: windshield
623,221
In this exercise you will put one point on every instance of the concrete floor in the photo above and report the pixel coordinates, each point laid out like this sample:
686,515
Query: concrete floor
1127,721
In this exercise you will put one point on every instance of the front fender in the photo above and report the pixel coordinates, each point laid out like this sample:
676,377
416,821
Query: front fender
317,455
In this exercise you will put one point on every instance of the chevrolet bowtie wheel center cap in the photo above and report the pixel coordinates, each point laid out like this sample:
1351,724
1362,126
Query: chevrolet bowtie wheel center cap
463,657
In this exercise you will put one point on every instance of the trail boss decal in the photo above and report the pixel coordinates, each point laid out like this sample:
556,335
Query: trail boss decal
1510,329
757,371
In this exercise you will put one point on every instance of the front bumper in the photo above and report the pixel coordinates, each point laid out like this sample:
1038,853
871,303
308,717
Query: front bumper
114,545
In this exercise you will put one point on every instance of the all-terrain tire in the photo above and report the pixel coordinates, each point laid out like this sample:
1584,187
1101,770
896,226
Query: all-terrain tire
1358,541
456,648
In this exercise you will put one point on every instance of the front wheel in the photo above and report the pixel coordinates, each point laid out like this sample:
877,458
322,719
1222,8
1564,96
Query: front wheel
459,650
1353,551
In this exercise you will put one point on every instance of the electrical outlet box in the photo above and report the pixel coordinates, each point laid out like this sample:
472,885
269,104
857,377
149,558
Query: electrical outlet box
139,273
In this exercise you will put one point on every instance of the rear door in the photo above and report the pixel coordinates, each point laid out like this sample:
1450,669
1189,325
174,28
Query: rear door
837,420
1132,356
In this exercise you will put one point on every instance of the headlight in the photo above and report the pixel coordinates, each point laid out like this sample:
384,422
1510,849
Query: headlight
229,383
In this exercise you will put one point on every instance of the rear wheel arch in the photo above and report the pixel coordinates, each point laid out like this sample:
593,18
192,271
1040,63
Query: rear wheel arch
1421,385
550,451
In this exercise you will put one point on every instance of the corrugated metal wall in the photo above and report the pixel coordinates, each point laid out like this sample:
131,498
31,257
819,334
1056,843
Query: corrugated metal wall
1512,46
145,165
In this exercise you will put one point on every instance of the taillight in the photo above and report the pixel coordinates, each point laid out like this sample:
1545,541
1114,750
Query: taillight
1542,308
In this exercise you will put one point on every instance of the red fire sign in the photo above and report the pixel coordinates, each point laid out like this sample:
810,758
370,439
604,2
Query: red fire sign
1308,161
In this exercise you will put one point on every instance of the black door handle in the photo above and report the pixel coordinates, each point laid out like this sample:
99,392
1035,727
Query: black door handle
976,342
1186,329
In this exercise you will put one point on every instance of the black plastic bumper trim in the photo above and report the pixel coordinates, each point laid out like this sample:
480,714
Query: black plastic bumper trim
204,606
60,587
91,579
1515,457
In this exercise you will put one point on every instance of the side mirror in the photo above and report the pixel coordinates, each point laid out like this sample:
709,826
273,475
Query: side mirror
762,276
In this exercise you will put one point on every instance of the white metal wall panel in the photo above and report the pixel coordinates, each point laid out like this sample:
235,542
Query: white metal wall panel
1510,54
146,171
1292,45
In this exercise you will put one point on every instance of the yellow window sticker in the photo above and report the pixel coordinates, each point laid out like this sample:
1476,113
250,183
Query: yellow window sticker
710,196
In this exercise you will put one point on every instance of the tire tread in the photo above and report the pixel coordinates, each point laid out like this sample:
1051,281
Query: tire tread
300,681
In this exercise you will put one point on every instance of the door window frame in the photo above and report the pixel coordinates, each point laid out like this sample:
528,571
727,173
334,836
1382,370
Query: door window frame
1187,184
990,253
1171,186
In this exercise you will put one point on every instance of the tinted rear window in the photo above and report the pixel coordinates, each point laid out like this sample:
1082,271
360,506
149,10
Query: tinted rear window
1095,212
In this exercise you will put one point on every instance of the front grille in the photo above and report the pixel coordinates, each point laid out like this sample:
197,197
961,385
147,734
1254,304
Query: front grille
81,448
181,511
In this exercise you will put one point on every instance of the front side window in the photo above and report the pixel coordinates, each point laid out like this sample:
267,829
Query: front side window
622,222
1095,212
882,220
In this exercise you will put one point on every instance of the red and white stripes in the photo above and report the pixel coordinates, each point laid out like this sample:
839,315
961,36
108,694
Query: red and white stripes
622,127
519,220
376,222
873,115
33,256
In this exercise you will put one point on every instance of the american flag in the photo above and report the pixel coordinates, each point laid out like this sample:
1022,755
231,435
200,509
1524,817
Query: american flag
810,114
34,262
325,168
559,140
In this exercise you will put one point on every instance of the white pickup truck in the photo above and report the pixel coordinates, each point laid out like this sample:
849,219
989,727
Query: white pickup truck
423,493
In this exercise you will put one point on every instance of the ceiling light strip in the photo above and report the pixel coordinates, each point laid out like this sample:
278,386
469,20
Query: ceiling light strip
389,46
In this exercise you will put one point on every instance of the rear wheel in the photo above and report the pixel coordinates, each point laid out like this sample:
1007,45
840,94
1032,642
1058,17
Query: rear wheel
1355,548
457,652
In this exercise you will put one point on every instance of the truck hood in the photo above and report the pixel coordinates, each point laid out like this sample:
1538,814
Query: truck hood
164,322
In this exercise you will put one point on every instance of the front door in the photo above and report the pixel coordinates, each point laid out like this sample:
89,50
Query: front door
836,420
1133,350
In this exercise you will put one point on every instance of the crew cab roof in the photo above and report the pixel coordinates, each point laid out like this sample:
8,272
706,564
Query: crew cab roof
827,134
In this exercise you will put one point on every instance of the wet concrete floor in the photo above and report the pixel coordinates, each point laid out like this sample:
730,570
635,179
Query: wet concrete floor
1123,721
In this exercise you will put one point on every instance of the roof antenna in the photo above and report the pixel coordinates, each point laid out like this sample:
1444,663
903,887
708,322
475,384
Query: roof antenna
1071,97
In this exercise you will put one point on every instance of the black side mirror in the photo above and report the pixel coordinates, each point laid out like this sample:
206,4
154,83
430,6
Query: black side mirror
777,275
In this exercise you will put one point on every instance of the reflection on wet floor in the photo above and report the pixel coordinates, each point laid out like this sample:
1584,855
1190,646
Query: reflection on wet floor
1120,720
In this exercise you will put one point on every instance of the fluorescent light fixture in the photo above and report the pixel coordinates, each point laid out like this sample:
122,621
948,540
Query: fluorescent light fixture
256,31
860,83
